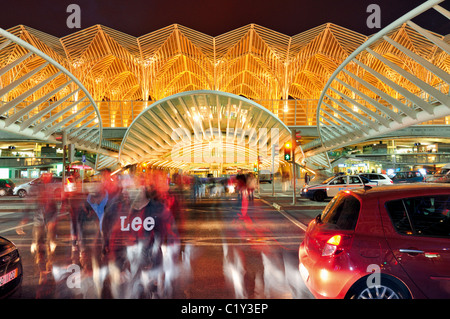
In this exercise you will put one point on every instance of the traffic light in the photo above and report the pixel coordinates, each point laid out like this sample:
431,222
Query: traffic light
255,166
298,137
287,151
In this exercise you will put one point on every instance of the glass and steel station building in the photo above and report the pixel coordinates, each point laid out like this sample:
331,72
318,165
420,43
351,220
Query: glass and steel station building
359,103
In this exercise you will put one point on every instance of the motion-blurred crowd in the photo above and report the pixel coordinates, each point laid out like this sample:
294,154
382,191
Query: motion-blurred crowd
121,211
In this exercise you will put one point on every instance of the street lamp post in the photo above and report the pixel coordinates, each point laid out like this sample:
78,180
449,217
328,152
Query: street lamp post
64,147
294,198
273,169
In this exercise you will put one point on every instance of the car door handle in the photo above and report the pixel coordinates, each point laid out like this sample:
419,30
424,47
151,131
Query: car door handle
411,251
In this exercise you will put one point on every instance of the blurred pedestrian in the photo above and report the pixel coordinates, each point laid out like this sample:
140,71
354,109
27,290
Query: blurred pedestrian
202,189
153,202
241,184
196,187
100,216
44,230
251,185
285,181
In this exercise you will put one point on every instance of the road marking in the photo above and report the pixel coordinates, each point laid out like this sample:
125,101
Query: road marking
17,227
25,225
239,241
7,213
293,220
288,216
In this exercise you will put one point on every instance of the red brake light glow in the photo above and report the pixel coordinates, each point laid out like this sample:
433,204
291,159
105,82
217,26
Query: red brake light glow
331,246
335,240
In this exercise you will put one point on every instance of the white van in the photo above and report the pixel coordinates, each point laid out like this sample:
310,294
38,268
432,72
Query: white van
442,176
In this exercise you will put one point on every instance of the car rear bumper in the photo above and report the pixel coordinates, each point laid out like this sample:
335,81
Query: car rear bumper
321,277
13,266
309,194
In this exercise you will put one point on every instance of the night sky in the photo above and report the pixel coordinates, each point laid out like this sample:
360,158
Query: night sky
212,17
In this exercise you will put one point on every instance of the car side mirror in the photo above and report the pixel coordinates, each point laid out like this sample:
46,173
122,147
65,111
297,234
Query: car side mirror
319,219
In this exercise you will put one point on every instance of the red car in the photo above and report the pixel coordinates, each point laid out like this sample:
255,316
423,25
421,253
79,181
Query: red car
383,242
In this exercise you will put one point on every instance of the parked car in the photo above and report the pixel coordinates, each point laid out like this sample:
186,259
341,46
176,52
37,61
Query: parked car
442,176
408,177
265,178
6,186
32,188
10,268
383,242
381,179
331,186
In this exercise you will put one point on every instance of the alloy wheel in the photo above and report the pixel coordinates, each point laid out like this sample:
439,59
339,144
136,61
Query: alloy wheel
379,292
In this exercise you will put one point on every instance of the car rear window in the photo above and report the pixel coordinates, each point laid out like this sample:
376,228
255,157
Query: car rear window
342,212
421,216
413,174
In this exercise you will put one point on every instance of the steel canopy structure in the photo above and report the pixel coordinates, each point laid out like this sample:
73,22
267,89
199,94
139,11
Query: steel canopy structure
252,61
366,86
385,85
60,102
196,128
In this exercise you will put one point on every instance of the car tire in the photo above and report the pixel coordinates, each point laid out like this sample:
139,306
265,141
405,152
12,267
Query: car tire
319,196
388,289
22,193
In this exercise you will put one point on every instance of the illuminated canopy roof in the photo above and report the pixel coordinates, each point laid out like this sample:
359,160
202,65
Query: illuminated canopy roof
199,127
252,61
385,85
39,97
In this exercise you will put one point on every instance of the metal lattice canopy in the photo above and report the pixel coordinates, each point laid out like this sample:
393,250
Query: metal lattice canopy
399,77
194,128
39,97
252,61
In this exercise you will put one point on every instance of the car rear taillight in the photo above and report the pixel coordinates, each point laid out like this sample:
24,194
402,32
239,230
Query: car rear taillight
331,246
7,185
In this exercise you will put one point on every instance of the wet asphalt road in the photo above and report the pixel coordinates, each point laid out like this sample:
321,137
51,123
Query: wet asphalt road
225,249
